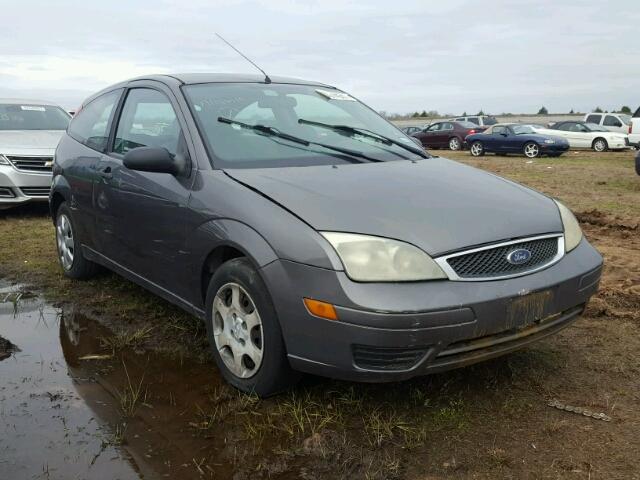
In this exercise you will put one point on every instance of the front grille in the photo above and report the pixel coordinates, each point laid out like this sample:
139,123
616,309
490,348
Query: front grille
31,164
381,358
35,191
6,192
492,262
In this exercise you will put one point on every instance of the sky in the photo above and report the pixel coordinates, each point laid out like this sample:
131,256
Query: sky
452,56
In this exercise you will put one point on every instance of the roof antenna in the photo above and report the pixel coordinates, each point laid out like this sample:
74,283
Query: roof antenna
266,77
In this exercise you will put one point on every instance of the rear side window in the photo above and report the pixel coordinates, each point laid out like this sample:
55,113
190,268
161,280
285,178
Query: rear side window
474,120
593,119
611,121
490,120
147,120
91,125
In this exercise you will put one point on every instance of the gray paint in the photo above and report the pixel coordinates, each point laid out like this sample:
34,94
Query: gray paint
157,230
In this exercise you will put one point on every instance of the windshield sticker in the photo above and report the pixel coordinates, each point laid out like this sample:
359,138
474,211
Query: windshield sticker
33,108
335,95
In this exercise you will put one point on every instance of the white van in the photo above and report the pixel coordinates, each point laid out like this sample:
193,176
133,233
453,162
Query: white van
614,122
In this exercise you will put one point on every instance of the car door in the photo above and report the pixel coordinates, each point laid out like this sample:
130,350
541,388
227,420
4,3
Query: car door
494,140
511,143
146,212
429,137
444,134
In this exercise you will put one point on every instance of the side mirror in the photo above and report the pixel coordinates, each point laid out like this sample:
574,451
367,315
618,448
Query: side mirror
504,134
154,159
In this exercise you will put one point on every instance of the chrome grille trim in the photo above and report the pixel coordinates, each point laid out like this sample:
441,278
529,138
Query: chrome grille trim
35,191
31,163
451,273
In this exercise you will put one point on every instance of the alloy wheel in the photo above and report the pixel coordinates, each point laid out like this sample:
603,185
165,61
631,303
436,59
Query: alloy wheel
237,330
65,241
454,144
599,146
476,149
531,150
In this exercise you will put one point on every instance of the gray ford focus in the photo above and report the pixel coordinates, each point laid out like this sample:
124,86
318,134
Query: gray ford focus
309,233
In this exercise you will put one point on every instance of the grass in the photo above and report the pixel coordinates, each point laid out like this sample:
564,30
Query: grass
132,395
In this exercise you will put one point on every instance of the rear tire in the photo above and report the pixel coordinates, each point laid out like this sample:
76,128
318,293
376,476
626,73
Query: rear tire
600,145
70,256
244,332
477,149
455,144
531,150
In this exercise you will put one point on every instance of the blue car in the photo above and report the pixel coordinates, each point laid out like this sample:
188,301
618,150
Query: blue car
505,138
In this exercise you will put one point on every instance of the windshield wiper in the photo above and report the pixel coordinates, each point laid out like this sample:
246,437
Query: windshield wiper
351,131
274,132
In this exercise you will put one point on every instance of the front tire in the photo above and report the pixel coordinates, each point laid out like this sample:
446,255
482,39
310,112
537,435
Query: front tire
70,256
531,150
477,149
455,144
600,145
244,331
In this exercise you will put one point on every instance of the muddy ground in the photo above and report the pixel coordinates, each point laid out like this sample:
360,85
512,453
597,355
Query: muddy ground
112,382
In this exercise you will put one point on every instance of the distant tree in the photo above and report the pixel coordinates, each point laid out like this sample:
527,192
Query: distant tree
543,111
433,113
597,110
416,115
464,114
571,111
480,112
626,110
424,113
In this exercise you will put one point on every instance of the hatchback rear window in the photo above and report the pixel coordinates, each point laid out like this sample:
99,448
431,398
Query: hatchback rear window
32,117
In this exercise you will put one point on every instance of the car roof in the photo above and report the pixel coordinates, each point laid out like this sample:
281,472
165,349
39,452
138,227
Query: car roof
26,101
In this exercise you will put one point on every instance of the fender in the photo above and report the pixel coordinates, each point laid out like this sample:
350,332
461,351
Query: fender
224,232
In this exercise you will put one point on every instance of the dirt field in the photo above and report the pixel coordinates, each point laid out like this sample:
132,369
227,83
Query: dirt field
139,368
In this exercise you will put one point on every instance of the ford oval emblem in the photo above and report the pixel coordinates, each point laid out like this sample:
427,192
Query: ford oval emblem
518,256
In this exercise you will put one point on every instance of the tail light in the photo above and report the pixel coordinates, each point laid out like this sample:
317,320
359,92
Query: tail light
630,127
471,132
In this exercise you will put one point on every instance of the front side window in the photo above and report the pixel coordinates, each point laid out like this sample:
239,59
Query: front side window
308,112
499,130
91,125
593,118
523,129
147,120
436,127
32,117
568,127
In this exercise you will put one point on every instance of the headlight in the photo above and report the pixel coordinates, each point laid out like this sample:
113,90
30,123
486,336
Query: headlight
572,231
3,160
376,259
548,140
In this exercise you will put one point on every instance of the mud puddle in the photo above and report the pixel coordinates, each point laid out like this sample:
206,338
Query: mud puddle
71,406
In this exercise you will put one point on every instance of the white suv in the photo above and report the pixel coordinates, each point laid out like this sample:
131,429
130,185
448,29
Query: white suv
29,133
481,120
634,130
614,122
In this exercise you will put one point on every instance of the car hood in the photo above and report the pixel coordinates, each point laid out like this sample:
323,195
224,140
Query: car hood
436,204
29,141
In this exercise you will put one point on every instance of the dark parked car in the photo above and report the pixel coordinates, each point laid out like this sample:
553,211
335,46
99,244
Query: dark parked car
308,232
505,138
449,135
410,130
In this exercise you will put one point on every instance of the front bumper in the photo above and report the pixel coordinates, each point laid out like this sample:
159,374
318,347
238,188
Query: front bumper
395,331
18,187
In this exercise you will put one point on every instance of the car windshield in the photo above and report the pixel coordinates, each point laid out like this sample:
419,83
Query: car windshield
32,117
522,129
295,110
490,120
595,128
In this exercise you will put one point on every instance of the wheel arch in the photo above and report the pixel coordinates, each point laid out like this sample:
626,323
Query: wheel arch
222,240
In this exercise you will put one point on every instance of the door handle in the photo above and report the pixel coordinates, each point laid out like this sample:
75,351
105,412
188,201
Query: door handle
105,172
